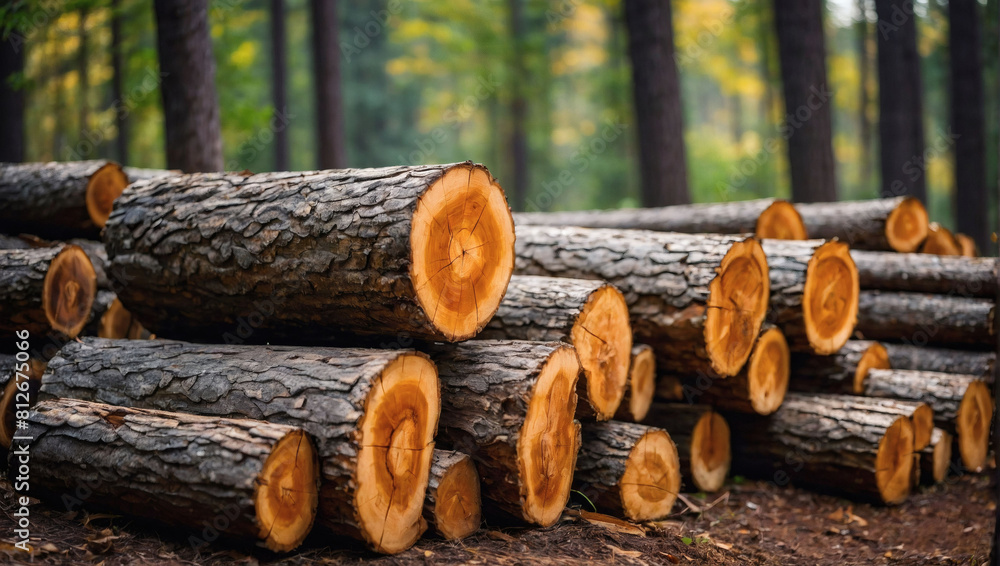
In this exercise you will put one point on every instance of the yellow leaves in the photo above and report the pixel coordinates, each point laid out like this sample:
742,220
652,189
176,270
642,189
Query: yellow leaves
244,55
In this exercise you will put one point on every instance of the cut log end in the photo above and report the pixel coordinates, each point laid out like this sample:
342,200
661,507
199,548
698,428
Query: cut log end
104,186
923,426
652,478
875,357
907,225
781,221
641,382
967,245
397,444
894,462
602,336
8,401
69,291
738,298
710,453
768,372
941,457
549,440
940,241
830,298
973,425
458,508
462,250
287,494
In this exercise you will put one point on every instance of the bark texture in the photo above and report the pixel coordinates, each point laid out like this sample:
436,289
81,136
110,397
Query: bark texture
862,223
910,357
926,319
925,273
48,199
836,373
942,391
22,285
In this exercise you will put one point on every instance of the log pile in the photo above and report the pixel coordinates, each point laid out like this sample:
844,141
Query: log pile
373,351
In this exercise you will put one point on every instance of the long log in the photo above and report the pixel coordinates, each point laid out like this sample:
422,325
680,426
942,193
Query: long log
698,300
935,458
240,478
921,319
453,506
921,414
372,412
923,273
46,289
940,241
510,405
641,385
891,224
904,356
589,315
628,470
814,293
62,200
843,372
765,218
819,441
423,251
962,404
702,439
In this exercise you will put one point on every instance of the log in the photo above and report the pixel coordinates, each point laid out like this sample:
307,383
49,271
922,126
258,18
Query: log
962,404
453,505
935,458
94,250
890,224
510,406
820,441
628,470
922,273
110,319
699,301
921,415
967,245
940,241
843,372
702,439
590,315
44,290
766,218
373,413
61,200
261,478
814,293
903,356
760,386
19,383
422,251
641,385
922,319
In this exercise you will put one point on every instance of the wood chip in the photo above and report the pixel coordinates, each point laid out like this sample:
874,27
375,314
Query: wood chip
612,523
623,552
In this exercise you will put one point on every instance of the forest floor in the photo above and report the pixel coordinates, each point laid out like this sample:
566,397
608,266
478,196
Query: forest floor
748,523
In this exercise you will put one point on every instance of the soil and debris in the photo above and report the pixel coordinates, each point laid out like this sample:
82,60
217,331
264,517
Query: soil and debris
748,523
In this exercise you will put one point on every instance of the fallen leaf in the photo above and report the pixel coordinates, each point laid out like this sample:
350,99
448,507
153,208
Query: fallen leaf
673,559
497,535
837,515
102,542
888,554
428,554
723,545
629,553
97,516
612,523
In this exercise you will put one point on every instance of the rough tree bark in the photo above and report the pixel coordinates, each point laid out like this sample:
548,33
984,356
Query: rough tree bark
658,111
979,364
702,439
352,402
302,256
453,506
921,414
926,319
890,224
924,273
331,151
192,130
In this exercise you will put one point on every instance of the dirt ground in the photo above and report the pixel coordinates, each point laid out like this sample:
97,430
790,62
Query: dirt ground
749,523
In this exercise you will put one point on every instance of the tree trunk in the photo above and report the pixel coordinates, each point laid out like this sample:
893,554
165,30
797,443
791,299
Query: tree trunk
702,440
890,224
422,251
192,131
864,72
331,152
178,469
962,405
843,372
353,402
979,364
518,105
641,385
940,241
766,218
117,82
814,293
920,319
279,89
827,443
658,111
83,76
921,414
11,100
968,121
510,405
901,125
628,470
799,26
935,458
453,505
590,315
923,273
45,289
698,301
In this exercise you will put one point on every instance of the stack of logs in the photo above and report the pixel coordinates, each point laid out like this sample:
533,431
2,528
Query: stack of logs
372,351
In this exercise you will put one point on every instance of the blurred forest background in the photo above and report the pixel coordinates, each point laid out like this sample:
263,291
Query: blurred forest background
430,81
